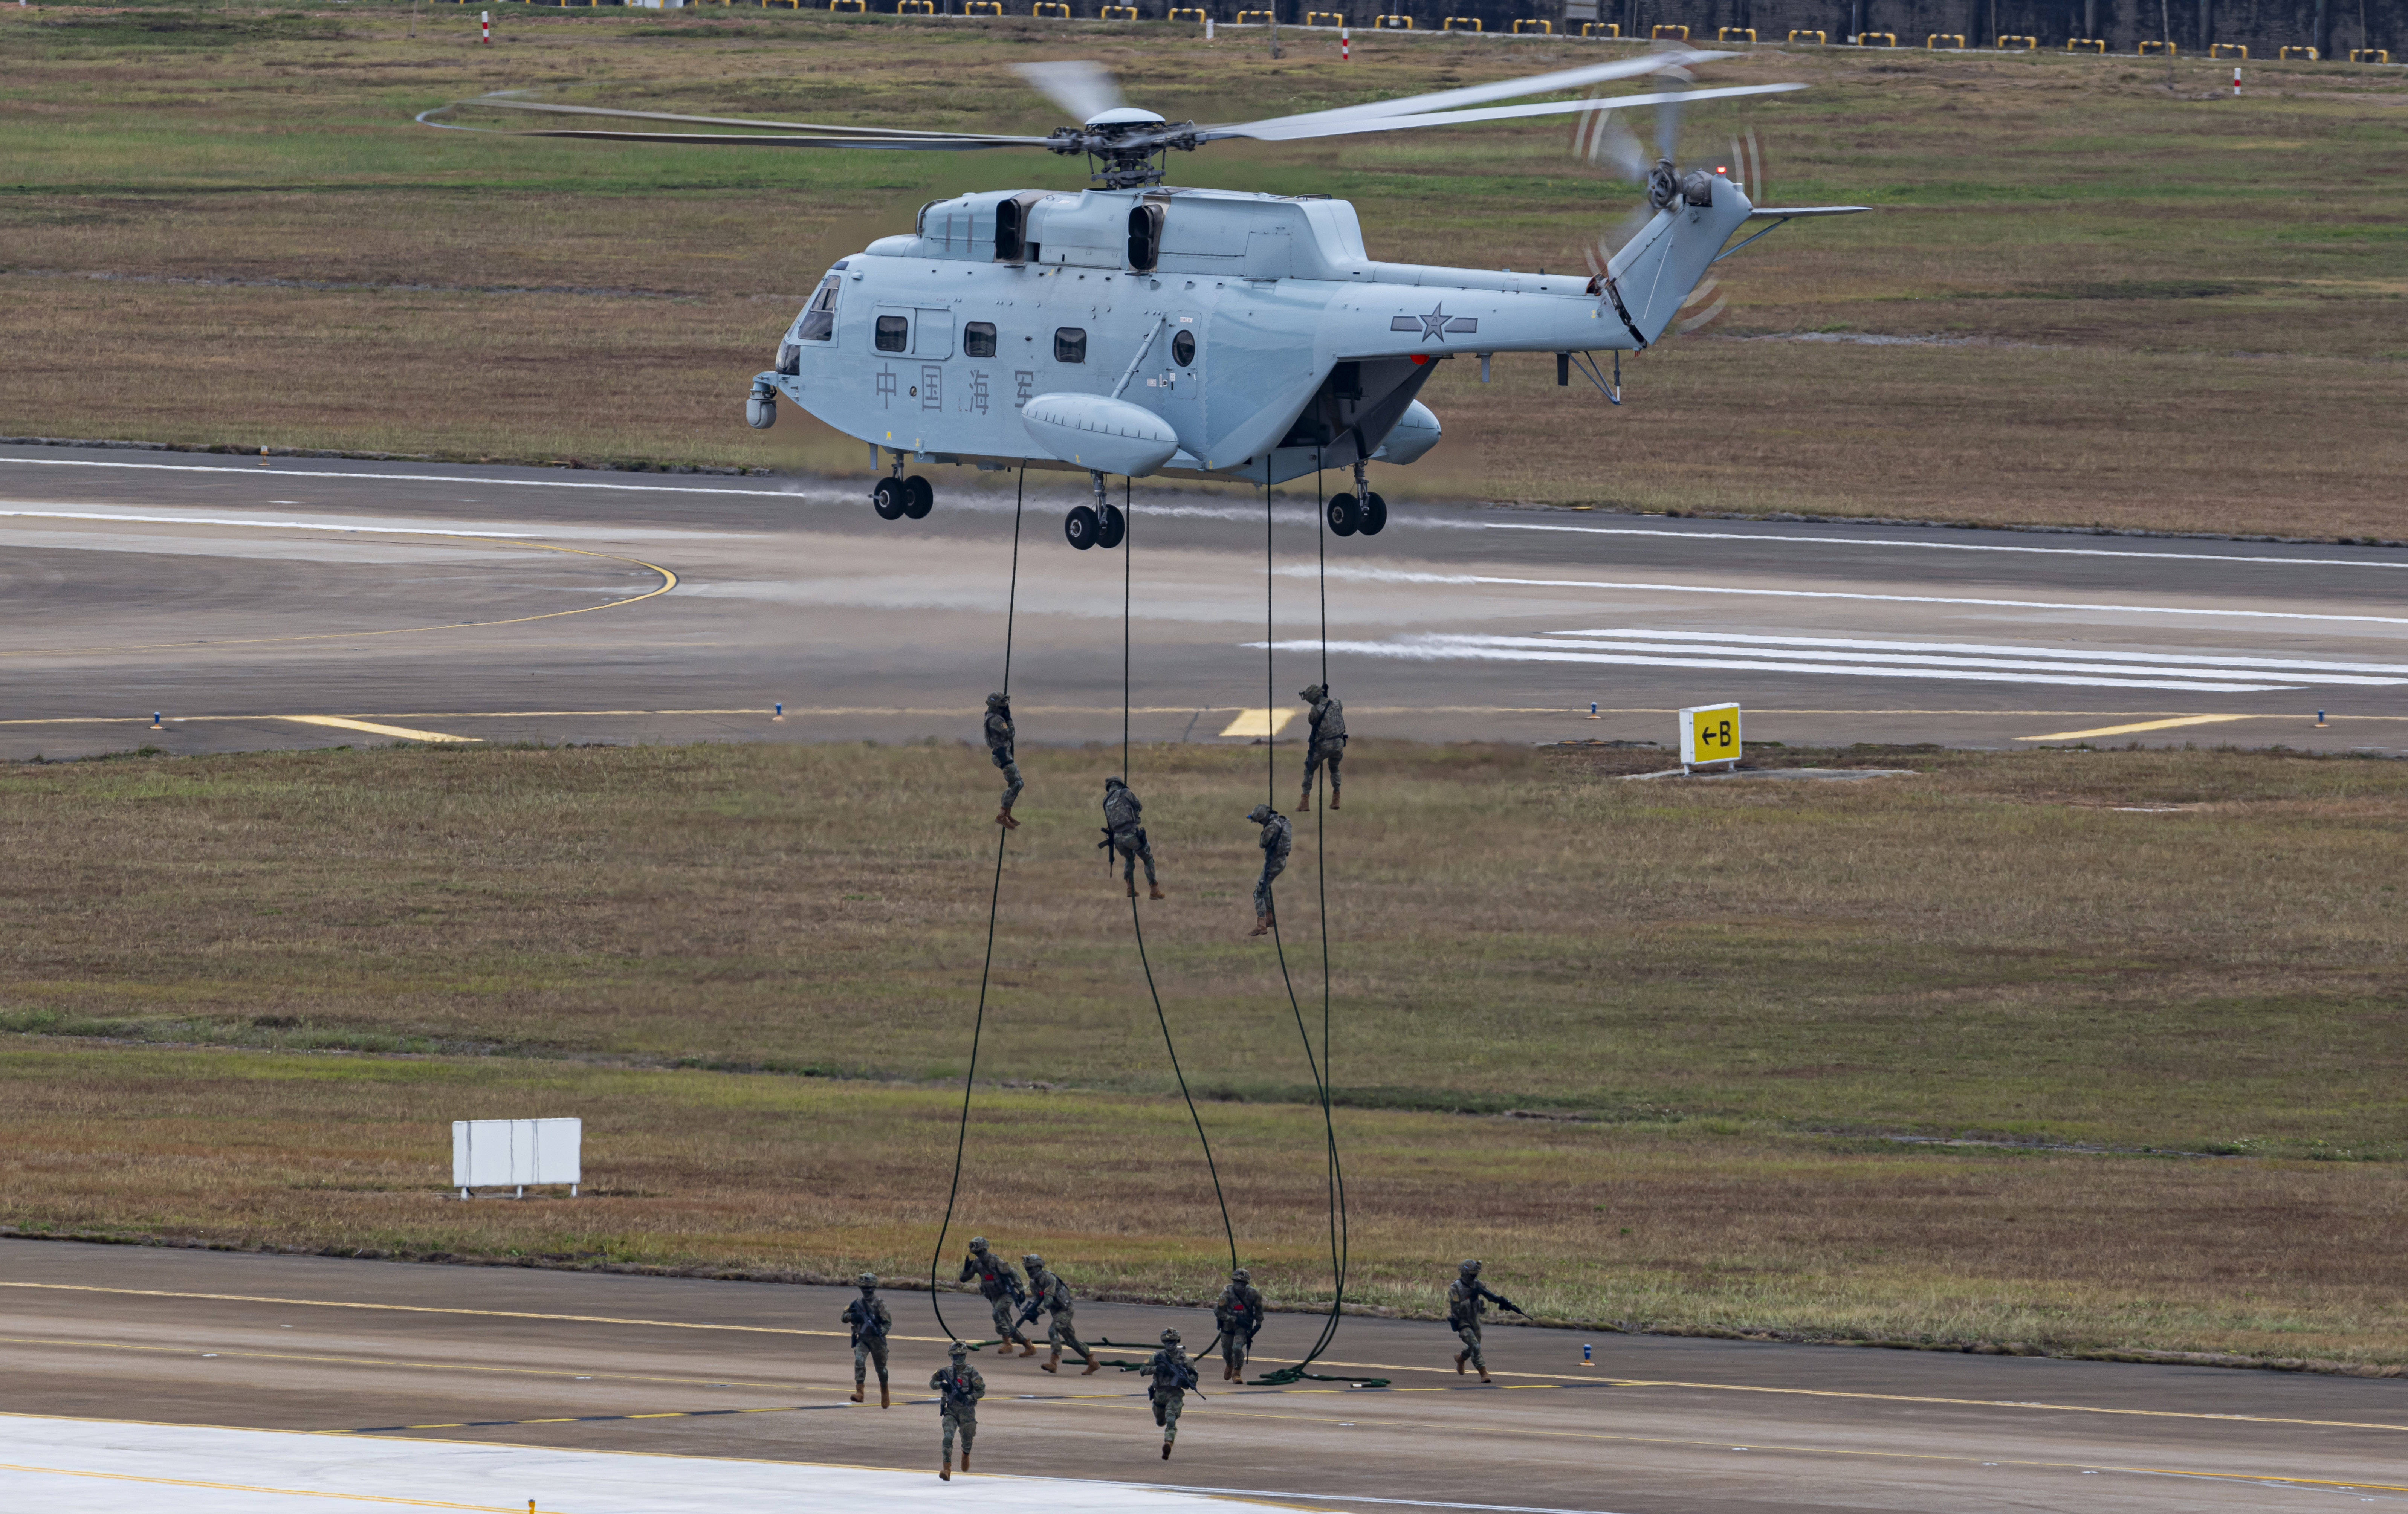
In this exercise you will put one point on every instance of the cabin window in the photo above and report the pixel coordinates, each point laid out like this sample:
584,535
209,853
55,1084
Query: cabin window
819,317
1183,348
894,333
978,340
1070,344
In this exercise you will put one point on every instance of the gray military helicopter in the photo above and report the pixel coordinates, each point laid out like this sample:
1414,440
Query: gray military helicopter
1140,329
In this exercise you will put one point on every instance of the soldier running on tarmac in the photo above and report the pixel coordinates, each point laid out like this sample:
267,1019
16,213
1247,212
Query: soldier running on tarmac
1124,832
870,1323
998,747
1049,1292
1240,1315
1173,1377
1466,1299
1325,744
1278,836
959,1388
999,1283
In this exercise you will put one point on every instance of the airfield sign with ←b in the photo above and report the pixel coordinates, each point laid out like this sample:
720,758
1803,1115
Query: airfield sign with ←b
1709,735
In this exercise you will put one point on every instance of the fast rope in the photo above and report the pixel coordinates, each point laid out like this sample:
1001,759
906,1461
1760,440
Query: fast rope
994,899
1339,1249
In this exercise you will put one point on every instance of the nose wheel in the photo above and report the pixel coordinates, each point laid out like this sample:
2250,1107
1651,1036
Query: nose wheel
896,498
1350,514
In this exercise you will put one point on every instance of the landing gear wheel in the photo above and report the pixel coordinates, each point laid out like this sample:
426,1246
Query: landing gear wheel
1080,527
1375,513
1110,526
918,498
889,499
1345,516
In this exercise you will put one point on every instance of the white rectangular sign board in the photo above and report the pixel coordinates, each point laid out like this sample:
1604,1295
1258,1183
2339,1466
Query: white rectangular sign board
1710,734
512,1153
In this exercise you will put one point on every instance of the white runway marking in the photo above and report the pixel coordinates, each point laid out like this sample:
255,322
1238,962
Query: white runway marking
1403,576
1434,648
99,1466
2272,666
1934,545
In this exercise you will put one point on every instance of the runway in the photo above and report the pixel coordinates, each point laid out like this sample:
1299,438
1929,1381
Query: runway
374,1358
309,602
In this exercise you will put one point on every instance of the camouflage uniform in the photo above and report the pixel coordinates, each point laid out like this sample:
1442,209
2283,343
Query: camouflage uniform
998,746
1466,1299
1124,832
959,1388
1278,836
1239,1314
1327,743
1048,1291
999,1285
870,1322
1171,1376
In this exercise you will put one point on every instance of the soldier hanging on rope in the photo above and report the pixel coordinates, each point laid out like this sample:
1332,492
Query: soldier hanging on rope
1327,743
999,1283
1278,836
1173,1377
870,1323
959,1388
1124,832
998,746
1466,1299
1047,1291
1240,1315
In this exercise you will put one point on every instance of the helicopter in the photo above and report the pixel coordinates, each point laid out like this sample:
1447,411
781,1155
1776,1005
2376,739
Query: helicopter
1147,330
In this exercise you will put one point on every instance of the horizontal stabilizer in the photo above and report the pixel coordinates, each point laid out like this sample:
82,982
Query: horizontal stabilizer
1766,211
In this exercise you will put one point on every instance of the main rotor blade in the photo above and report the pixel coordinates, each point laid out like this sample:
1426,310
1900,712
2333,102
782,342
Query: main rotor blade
499,103
1084,89
1290,131
1416,105
906,144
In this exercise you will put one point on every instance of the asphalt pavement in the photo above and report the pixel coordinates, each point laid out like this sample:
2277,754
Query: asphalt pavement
429,1355
308,602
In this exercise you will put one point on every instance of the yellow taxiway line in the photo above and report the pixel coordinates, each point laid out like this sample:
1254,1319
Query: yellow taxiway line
2141,726
401,731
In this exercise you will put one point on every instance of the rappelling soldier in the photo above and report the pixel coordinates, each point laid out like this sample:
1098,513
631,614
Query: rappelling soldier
1466,1299
999,747
1049,1292
1173,1377
1124,832
870,1323
1278,836
999,1283
1240,1315
959,1388
1327,743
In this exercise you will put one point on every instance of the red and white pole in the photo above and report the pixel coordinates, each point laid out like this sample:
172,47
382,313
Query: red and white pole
1346,48
485,23
2236,81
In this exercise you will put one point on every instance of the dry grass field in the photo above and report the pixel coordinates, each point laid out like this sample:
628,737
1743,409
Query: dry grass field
2103,293
247,991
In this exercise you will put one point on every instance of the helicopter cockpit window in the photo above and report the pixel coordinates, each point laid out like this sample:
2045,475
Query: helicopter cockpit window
1070,344
1183,348
819,317
894,333
978,339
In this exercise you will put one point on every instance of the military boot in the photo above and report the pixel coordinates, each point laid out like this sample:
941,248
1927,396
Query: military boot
1094,1366
1461,1357
886,1399
1262,926
1165,1450
1304,805
1003,817
1154,891
966,1458
1225,1370
1026,1349
946,1471
1052,1362
856,1393
1483,1374
1132,883
1333,796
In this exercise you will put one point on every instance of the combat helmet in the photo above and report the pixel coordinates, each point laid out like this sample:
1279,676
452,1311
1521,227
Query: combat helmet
1242,1275
996,701
960,1353
1313,692
977,1243
867,1281
1261,814
1034,1261
1170,1337
1472,1267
